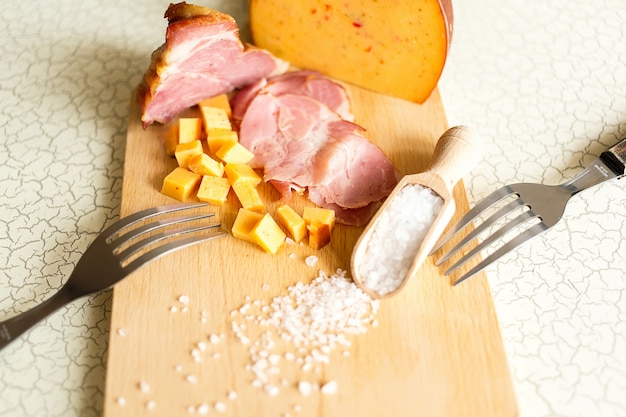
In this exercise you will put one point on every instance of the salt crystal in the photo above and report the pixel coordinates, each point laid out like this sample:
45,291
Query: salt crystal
150,405
121,331
203,409
143,386
232,395
330,387
192,379
121,401
396,238
184,299
272,390
219,407
305,388
214,338
311,260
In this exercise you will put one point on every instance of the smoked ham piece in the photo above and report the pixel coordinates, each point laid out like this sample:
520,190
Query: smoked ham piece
202,57
301,143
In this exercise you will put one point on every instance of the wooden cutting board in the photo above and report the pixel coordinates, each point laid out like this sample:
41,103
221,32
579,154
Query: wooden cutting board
436,351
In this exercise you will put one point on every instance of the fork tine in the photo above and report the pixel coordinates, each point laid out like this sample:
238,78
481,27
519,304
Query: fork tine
480,228
144,243
509,246
522,218
114,230
168,248
482,205
159,224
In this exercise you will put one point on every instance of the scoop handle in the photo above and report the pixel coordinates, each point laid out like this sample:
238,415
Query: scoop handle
456,153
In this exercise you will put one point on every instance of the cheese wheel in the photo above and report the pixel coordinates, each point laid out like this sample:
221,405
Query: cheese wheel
396,47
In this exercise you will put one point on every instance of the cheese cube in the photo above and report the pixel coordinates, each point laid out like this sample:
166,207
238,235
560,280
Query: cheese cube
215,118
320,223
319,234
244,223
268,234
248,195
322,215
186,150
189,129
217,138
220,102
180,184
241,173
213,190
292,222
203,164
234,153
171,139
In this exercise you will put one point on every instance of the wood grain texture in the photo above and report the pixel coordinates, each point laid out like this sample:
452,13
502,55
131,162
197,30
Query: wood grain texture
437,350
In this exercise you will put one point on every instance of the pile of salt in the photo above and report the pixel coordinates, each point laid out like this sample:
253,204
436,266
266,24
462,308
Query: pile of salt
398,234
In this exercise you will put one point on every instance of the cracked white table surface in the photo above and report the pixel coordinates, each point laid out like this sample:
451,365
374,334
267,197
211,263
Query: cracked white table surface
544,82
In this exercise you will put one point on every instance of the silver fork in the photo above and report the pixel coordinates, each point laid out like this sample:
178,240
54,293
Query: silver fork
115,254
542,205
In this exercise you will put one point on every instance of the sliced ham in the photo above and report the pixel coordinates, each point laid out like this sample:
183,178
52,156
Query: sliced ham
202,57
307,83
301,143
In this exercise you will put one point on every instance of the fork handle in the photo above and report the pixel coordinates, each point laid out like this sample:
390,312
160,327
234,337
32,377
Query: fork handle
12,328
457,151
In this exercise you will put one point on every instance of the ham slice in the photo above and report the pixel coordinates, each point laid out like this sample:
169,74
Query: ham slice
202,57
307,83
302,143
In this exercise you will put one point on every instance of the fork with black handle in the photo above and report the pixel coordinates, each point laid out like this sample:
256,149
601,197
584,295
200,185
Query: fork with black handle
542,204
116,253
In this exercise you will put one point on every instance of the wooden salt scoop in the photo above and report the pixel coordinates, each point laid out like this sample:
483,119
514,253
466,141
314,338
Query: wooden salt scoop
456,153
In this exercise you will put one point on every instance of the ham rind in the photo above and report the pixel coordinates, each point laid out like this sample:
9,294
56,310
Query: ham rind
202,57
307,83
301,143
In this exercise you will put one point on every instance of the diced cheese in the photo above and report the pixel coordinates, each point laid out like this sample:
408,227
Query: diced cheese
220,102
319,223
189,129
215,118
248,195
322,215
241,173
213,190
203,164
319,234
171,139
234,153
217,138
186,150
268,234
397,48
244,223
292,222
180,184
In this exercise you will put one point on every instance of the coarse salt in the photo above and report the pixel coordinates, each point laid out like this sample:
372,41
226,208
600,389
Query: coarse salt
330,387
203,409
396,238
314,318
143,386
121,401
311,260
